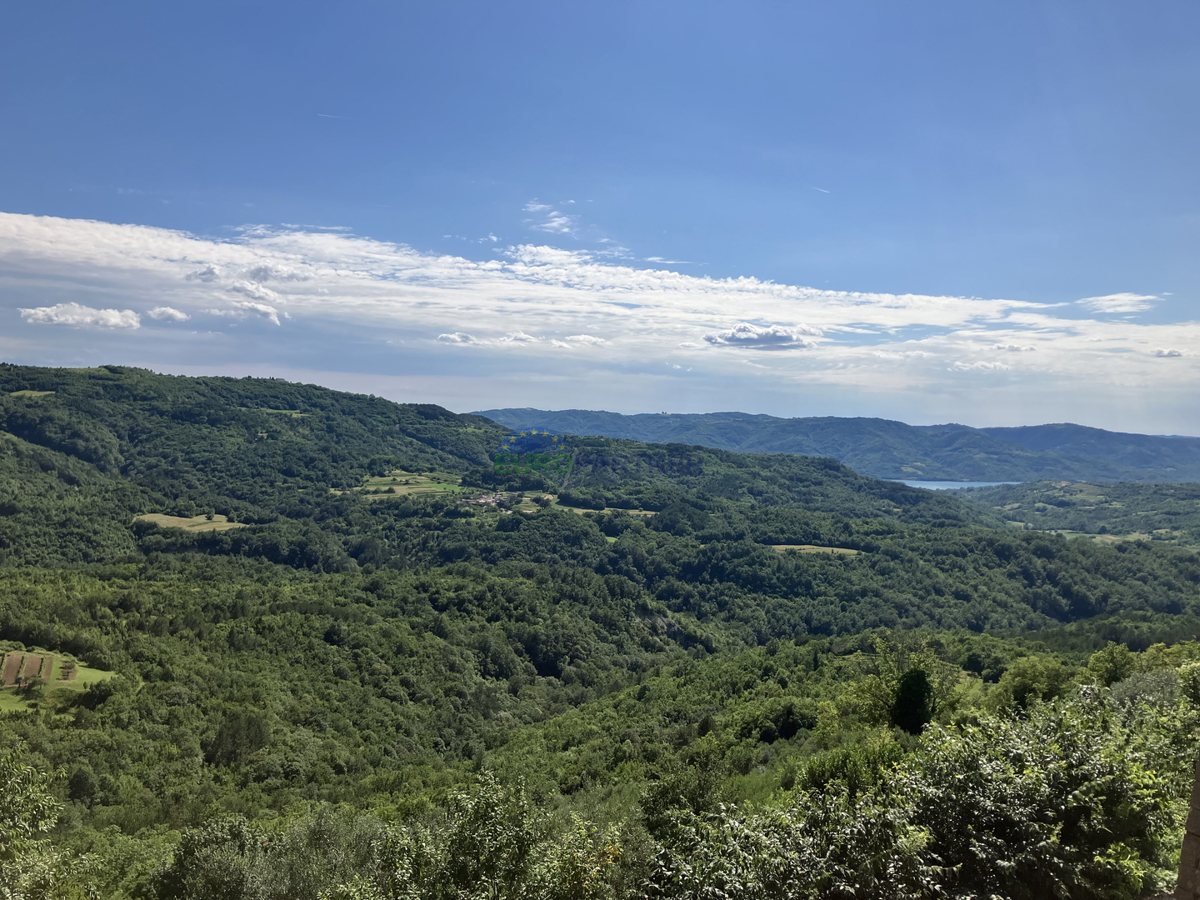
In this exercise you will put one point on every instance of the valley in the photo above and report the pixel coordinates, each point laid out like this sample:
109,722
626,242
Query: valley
354,647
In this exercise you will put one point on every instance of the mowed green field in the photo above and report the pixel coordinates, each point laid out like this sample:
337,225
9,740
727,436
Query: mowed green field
1164,534
398,483
57,689
195,523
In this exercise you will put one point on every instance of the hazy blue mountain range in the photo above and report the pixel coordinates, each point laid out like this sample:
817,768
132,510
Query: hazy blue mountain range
887,449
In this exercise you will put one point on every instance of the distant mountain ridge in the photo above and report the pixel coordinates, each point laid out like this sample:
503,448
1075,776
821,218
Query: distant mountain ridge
884,448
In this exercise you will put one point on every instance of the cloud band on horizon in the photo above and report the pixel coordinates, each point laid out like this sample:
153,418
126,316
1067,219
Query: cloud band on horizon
545,303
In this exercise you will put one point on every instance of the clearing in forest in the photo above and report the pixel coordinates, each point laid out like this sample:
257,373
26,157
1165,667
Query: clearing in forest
1164,534
398,483
30,393
813,548
55,672
195,523
294,413
608,509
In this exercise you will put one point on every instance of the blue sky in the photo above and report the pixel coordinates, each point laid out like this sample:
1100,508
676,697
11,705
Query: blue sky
854,208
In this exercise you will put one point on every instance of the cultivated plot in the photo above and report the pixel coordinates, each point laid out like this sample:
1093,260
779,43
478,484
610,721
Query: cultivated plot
29,677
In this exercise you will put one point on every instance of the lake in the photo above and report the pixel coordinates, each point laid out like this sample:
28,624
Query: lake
952,485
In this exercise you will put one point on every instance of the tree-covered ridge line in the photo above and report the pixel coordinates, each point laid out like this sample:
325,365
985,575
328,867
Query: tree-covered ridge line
176,433
194,439
615,473
888,449
111,444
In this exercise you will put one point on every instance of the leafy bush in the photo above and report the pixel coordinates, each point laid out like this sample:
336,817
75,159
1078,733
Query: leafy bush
1063,803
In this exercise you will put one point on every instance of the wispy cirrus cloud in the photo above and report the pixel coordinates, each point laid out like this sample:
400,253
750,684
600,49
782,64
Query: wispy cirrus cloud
979,365
550,219
578,342
1119,303
535,303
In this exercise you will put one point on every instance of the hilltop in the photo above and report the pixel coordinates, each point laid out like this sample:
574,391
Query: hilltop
83,451
883,448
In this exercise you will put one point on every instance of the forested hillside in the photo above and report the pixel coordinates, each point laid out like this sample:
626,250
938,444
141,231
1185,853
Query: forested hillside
1169,513
886,449
351,658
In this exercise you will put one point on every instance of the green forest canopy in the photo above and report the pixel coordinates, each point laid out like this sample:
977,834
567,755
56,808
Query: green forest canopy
627,692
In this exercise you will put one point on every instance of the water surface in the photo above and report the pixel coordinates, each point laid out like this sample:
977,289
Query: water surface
952,485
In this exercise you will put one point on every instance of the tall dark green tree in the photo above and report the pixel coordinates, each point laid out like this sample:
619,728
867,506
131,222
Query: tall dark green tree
913,707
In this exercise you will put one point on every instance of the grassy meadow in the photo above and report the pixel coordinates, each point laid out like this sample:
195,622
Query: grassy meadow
215,522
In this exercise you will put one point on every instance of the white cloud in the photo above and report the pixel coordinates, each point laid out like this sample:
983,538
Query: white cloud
207,274
575,341
1118,303
552,221
354,288
265,310
776,337
980,366
254,291
81,316
168,312
268,272
901,354
1168,354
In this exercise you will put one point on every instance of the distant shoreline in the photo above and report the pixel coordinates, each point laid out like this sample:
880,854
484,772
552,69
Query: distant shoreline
950,485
